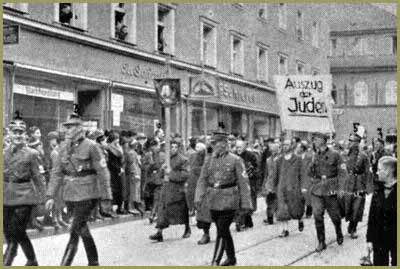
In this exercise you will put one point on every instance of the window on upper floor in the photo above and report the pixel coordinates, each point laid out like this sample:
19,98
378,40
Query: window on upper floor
283,65
123,22
71,14
315,34
237,55
208,44
334,94
333,47
367,46
263,11
21,7
300,68
262,64
299,25
315,72
165,32
386,45
282,16
360,94
355,46
394,45
391,92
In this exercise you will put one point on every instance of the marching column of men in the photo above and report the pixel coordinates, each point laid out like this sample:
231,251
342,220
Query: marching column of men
217,179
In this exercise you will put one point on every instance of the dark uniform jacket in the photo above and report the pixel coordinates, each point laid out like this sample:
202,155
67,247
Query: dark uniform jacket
357,167
382,219
328,172
223,183
250,162
175,188
153,162
80,166
23,184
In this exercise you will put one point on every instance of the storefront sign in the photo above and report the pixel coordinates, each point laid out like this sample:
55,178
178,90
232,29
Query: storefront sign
143,72
10,34
304,103
43,93
202,86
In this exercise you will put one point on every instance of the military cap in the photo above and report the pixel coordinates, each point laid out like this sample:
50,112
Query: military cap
354,138
219,136
96,134
17,125
73,119
53,135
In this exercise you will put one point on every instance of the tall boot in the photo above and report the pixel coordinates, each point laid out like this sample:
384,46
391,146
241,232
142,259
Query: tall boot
339,234
218,251
321,237
69,253
29,252
187,232
10,253
230,252
91,251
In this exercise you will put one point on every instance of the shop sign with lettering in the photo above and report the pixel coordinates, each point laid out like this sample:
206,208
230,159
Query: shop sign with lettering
305,102
143,72
43,92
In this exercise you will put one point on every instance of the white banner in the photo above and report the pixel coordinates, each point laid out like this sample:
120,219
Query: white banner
305,102
43,93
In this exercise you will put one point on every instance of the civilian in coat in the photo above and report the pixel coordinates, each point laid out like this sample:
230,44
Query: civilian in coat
173,208
306,158
382,219
288,179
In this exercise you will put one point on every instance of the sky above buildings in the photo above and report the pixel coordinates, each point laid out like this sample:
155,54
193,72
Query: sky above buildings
391,7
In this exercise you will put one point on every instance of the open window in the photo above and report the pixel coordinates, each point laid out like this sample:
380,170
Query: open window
263,11
300,68
165,29
299,25
237,55
262,64
71,14
283,64
123,22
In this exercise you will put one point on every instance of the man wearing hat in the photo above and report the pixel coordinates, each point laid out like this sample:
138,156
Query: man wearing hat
224,184
328,172
23,189
81,169
356,184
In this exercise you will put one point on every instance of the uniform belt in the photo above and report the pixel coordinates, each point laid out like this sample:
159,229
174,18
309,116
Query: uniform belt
223,186
82,173
320,177
18,180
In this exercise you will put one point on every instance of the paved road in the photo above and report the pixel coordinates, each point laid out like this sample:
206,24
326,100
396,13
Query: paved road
127,244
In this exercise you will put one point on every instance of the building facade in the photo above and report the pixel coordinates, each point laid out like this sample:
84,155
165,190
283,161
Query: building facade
363,59
104,58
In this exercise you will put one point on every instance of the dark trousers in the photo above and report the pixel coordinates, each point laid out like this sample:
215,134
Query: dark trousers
382,253
272,205
223,220
330,203
15,221
80,212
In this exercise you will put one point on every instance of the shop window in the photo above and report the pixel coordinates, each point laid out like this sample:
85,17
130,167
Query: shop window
208,44
360,94
237,56
262,64
165,32
71,14
299,25
315,34
300,68
282,16
263,11
198,121
283,65
391,92
123,24
21,7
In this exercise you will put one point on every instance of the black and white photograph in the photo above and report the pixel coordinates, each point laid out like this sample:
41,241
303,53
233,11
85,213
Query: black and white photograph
199,134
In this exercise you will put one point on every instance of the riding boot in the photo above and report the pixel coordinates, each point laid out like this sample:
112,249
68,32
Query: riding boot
10,253
69,254
321,238
91,251
29,252
230,252
217,251
339,234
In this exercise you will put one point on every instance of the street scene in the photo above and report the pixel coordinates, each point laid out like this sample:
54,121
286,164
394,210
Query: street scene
201,134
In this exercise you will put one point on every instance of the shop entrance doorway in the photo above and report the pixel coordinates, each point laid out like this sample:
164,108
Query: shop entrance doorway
90,104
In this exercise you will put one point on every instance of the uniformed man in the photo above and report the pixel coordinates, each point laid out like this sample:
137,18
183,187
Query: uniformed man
356,184
82,170
224,184
23,189
328,172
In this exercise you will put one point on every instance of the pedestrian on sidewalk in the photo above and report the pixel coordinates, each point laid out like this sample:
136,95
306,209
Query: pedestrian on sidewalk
224,184
82,169
289,182
382,218
173,209
23,190
328,172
